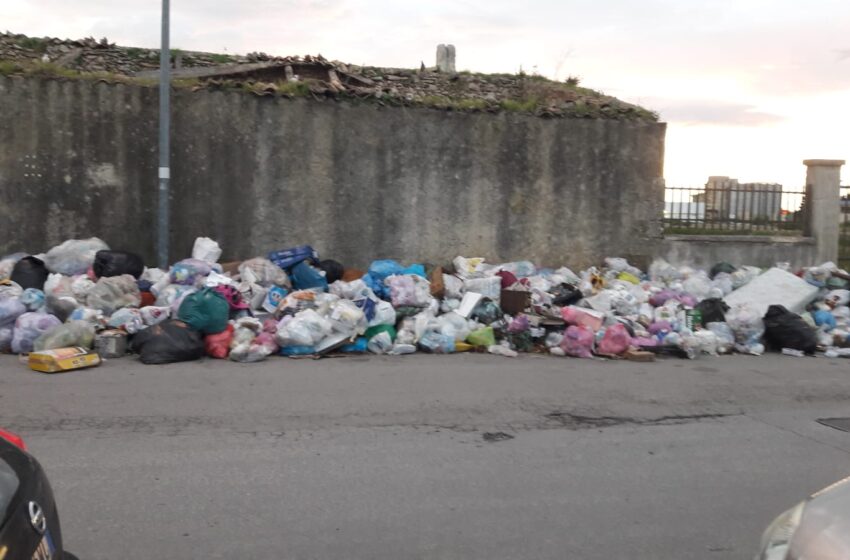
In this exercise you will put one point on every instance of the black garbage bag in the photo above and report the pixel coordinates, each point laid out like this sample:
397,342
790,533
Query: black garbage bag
565,294
713,310
168,342
721,267
115,263
30,272
333,270
783,329
487,311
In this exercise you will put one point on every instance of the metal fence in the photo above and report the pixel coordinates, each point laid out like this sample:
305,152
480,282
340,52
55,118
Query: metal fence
729,207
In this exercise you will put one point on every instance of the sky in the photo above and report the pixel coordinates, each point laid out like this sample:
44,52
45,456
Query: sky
749,88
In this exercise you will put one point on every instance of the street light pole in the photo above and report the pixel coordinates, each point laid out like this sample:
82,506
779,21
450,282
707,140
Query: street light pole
164,125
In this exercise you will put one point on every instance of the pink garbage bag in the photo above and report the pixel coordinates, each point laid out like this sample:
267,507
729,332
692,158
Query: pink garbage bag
578,342
616,340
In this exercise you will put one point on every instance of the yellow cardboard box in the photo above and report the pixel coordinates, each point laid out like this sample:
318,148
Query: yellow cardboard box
63,359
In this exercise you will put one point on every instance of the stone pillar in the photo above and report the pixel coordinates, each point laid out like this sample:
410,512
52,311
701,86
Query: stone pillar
823,206
446,58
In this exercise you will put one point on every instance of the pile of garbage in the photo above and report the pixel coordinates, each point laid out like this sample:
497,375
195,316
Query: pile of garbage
81,295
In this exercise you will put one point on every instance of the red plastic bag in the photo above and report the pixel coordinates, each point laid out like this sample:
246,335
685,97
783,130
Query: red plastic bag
616,340
218,345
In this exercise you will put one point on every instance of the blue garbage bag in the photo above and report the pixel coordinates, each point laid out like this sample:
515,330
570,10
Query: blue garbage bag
306,277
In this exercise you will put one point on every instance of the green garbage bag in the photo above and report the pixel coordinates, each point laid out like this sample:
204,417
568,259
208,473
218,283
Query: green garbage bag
482,337
205,311
378,329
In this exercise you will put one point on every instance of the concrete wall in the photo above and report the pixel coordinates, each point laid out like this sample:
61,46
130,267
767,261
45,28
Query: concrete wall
704,251
358,182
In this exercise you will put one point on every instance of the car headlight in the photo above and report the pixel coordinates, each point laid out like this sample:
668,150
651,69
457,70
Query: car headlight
777,537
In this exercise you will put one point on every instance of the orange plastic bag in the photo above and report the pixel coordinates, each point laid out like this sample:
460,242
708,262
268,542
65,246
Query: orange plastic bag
218,345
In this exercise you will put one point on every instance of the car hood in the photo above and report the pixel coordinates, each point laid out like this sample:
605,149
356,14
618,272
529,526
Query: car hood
824,531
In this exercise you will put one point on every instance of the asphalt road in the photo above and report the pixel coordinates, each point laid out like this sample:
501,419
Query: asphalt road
433,457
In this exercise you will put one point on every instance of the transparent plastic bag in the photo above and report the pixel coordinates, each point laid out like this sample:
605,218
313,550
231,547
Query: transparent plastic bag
725,337
33,299
409,290
263,272
437,343
578,342
30,326
74,256
128,318
748,327
306,328
347,318
10,309
189,272
381,343
113,293
72,333
151,315
384,314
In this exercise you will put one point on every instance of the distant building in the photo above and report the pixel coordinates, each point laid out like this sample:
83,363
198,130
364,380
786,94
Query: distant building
727,199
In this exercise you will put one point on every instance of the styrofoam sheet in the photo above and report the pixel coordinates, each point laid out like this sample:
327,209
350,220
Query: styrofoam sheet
774,287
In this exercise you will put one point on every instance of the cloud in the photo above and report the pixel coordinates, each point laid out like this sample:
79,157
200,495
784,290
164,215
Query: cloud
717,113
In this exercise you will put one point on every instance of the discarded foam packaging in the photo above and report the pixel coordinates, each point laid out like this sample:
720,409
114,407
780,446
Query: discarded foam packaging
62,359
468,303
774,287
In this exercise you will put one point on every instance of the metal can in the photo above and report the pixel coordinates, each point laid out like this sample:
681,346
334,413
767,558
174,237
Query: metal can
111,344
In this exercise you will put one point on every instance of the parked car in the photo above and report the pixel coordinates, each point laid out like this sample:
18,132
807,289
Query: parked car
29,522
816,529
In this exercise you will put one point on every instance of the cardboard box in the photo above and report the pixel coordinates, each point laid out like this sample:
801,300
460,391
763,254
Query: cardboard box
62,359
515,301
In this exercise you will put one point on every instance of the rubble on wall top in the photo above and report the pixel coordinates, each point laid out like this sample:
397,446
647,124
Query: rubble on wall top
316,77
